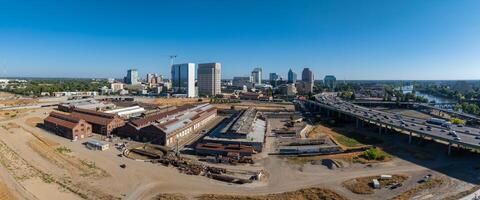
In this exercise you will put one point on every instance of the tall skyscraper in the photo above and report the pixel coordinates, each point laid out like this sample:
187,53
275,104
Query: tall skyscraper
274,77
183,79
256,76
132,77
306,85
307,75
209,79
292,77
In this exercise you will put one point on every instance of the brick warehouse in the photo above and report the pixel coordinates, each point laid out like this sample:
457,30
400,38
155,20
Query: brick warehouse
67,126
165,128
102,123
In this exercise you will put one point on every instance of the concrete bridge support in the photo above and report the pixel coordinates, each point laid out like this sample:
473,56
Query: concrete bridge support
449,148
410,138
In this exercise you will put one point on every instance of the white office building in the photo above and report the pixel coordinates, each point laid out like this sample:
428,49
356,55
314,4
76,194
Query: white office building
256,76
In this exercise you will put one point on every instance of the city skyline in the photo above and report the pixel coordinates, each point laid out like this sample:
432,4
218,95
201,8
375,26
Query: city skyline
372,40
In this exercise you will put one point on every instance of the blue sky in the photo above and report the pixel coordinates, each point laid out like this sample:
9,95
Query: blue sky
357,39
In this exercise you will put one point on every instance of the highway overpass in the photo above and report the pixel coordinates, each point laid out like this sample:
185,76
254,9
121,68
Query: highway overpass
467,137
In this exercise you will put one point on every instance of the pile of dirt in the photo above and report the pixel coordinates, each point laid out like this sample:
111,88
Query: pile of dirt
432,183
303,194
364,185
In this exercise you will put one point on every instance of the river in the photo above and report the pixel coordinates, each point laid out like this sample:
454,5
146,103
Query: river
432,97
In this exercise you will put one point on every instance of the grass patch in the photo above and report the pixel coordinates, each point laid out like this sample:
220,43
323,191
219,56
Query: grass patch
372,155
63,150
47,178
432,183
89,164
364,185
347,141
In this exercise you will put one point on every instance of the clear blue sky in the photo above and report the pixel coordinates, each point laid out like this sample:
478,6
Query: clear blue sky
358,39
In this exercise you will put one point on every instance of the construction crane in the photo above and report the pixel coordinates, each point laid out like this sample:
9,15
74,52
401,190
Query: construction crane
172,59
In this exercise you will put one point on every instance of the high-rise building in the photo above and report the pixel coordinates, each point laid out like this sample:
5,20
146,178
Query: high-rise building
256,76
209,79
274,77
292,77
306,85
151,78
183,79
307,75
132,77
330,81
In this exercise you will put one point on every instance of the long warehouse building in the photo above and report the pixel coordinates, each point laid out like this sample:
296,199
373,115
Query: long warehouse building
167,127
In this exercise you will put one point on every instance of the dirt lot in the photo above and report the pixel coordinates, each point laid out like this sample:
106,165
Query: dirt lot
40,163
364,185
430,184
309,193
175,101
17,102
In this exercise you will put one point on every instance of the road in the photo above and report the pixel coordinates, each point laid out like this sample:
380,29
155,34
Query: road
466,136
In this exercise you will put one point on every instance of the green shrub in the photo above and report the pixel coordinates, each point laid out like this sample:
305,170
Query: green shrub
373,154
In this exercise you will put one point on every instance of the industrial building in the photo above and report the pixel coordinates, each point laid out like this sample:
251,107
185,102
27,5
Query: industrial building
214,149
90,104
168,127
102,123
70,94
67,126
96,145
245,128
128,112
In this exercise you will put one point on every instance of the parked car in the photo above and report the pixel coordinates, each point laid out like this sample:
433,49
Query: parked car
396,186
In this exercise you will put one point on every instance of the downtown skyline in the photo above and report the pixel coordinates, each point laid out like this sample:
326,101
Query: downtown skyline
371,40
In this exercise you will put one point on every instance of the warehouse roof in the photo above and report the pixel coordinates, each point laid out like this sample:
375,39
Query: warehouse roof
94,117
61,119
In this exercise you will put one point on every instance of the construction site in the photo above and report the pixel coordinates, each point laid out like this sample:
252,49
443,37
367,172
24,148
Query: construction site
267,152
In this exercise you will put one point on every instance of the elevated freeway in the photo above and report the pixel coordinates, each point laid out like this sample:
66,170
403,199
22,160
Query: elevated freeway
460,136
461,115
